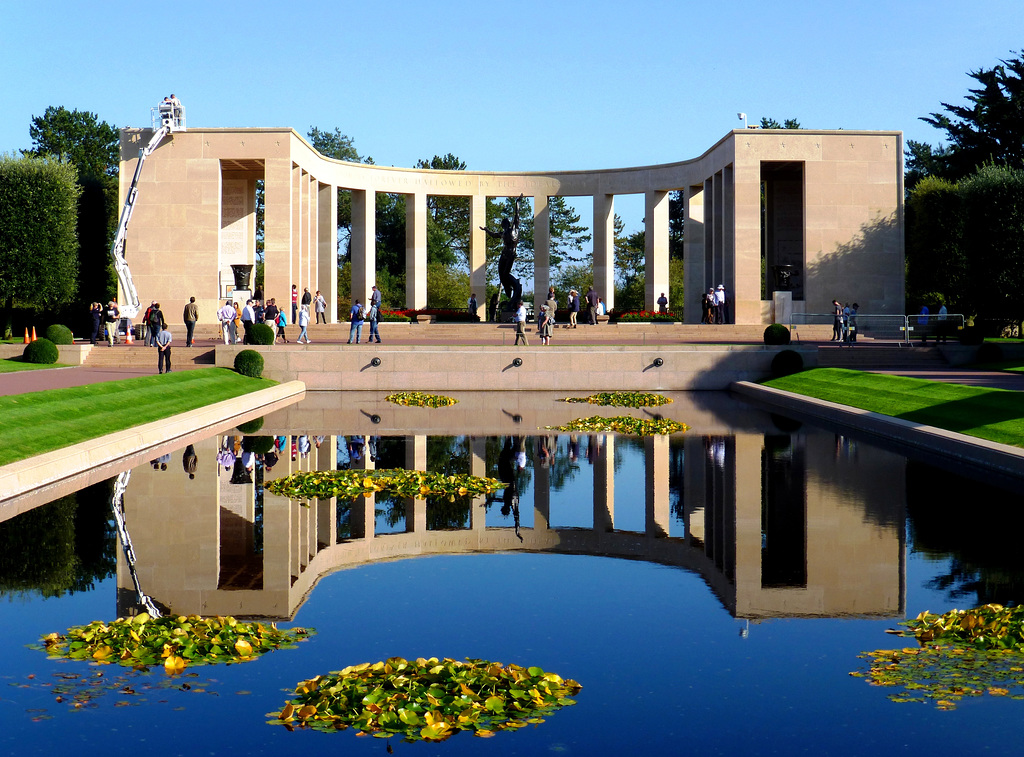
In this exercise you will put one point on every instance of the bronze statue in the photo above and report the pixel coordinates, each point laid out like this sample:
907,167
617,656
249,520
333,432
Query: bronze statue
509,235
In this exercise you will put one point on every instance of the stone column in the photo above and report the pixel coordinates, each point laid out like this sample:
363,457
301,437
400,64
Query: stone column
416,251
604,252
298,234
277,229
478,252
541,251
363,516
693,253
364,239
416,508
655,248
327,509
541,498
656,477
604,483
327,249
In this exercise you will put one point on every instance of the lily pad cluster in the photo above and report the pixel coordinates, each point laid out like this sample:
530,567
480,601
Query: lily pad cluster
420,399
427,699
173,641
404,483
988,627
622,424
622,399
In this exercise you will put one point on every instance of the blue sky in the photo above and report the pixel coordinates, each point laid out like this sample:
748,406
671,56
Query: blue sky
514,86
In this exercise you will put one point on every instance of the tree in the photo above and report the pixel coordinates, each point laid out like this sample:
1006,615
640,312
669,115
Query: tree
630,267
935,258
447,218
566,236
334,144
38,245
990,130
771,123
78,137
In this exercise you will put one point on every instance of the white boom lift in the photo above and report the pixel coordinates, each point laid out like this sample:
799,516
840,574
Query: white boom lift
168,117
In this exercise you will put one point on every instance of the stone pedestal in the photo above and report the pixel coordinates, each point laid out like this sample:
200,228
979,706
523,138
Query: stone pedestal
782,308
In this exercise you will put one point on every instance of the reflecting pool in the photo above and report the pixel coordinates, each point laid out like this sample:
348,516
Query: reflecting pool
710,590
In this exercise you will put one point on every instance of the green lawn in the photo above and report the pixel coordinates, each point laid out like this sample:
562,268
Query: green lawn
993,414
10,365
38,422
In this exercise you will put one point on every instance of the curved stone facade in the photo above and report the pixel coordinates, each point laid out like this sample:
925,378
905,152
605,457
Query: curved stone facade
828,204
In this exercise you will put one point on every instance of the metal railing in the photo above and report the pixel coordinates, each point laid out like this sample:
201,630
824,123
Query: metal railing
884,328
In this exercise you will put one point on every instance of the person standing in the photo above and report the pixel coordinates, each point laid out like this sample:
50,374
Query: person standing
720,304
156,323
471,305
237,321
295,302
853,322
307,298
190,316
163,350
591,307
111,317
663,304
542,324
320,305
574,307
373,316
521,324
837,321
282,321
355,315
96,313
258,309
552,304
270,313
942,331
303,323
375,297
248,320
226,316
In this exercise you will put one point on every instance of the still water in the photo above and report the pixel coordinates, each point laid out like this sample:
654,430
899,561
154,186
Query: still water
711,591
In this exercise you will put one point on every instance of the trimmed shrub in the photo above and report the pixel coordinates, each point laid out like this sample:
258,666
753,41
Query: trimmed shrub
971,336
262,334
989,353
251,427
41,351
249,363
259,445
59,334
786,363
776,334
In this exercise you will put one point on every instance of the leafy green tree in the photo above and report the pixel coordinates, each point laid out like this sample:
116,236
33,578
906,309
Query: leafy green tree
676,221
78,137
447,218
334,144
990,129
447,286
936,261
771,123
566,233
578,276
38,244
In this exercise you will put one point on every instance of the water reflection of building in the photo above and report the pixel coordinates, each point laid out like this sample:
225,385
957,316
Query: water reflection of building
777,524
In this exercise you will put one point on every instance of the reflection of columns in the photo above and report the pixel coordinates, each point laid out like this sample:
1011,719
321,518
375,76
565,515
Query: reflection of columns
363,239
478,250
478,467
541,251
693,253
604,249
327,244
541,498
604,484
277,226
363,514
694,487
656,475
415,507
277,536
655,247
416,250
327,509
747,535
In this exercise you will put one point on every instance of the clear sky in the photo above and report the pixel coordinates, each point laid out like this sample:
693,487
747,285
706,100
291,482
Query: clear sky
505,86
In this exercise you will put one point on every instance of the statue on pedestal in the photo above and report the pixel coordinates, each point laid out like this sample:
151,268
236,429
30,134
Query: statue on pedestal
509,235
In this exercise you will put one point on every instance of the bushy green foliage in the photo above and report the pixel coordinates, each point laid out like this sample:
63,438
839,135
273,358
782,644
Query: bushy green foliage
41,351
935,258
776,334
787,362
989,353
262,334
251,427
59,334
259,445
249,363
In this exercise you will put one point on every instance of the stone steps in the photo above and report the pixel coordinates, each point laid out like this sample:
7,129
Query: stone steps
139,356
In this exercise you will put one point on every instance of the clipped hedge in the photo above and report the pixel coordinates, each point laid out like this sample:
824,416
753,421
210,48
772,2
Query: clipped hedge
786,363
251,427
249,363
59,334
262,334
776,334
41,351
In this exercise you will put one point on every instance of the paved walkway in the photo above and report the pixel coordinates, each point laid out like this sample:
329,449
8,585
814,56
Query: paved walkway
21,382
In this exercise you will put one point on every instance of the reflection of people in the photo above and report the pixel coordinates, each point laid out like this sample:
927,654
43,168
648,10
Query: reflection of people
356,444
509,235
189,461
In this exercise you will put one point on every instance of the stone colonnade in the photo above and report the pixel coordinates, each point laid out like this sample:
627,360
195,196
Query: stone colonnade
829,204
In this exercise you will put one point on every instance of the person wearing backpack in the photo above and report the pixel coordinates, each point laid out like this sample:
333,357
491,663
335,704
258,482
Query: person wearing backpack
155,323
282,321
356,316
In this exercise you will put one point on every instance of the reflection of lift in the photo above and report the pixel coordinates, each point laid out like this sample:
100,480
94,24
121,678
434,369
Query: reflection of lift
171,117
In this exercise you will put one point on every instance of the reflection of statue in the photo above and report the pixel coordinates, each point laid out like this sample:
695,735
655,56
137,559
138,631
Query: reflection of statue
509,235
508,473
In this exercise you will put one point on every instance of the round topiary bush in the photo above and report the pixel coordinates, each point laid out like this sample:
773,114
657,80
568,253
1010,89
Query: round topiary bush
989,353
776,334
59,334
41,351
262,334
972,336
249,363
259,445
787,362
251,427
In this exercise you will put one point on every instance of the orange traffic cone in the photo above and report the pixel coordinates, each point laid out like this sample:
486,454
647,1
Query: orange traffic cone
27,340
128,335
33,333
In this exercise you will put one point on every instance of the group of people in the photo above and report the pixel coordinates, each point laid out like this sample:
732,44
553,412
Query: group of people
106,318
358,314
233,317
713,306
844,322
546,317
